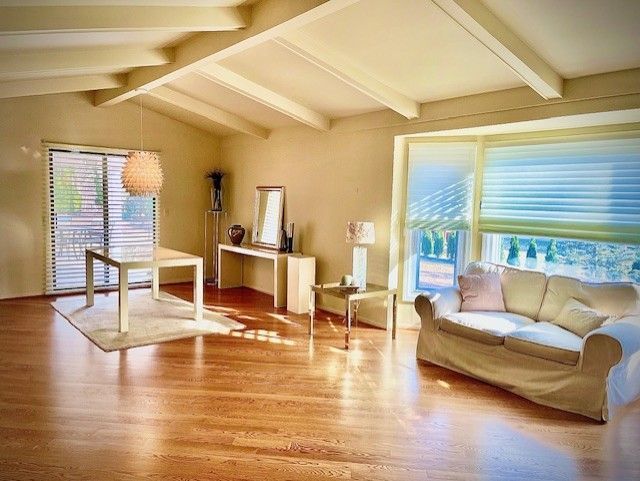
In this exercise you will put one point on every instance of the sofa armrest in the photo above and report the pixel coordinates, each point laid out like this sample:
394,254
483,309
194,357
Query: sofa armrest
609,345
438,303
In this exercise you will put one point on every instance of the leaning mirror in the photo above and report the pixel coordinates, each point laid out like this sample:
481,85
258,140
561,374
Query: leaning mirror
267,217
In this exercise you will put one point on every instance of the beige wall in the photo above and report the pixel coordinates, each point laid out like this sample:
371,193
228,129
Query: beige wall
186,153
330,178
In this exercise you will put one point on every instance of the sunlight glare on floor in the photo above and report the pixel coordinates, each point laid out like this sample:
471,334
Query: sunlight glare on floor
263,335
281,318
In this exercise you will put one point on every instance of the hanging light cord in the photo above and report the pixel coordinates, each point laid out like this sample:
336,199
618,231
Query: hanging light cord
141,141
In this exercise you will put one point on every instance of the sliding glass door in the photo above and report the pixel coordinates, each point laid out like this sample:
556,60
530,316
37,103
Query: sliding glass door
87,208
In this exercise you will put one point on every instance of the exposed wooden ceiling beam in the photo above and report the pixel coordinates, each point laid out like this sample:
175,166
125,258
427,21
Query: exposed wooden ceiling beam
339,66
271,99
45,19
23,88
208,111
18,64
478,20
269,19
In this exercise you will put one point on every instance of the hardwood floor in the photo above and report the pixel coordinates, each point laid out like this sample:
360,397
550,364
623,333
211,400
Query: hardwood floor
268,404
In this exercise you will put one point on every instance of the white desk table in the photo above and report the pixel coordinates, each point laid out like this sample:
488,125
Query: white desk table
142,257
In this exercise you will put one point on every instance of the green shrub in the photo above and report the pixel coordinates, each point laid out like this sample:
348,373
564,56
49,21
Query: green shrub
438,243
514,252
552,252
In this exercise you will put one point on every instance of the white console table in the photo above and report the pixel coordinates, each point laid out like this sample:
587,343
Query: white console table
230,263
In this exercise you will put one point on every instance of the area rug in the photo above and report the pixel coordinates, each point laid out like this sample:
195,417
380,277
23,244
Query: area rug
150,321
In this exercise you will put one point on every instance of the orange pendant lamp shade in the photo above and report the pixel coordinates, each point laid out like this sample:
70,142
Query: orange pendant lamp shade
142,174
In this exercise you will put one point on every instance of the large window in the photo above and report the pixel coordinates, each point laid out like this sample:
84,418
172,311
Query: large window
88,207
438,214
565,205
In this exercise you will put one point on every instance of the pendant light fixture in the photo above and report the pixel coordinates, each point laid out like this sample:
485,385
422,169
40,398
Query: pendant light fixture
142,173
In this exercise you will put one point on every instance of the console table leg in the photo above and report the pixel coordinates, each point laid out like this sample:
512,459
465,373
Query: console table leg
312,310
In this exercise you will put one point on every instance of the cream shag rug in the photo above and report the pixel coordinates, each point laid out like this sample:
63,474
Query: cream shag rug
150,321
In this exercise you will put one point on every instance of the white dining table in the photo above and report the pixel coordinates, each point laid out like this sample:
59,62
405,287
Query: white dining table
143,257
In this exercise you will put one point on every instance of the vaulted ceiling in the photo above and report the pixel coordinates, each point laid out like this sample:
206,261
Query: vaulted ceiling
233,66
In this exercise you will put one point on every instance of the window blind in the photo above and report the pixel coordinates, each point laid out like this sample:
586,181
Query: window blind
586,189
440,186
88,207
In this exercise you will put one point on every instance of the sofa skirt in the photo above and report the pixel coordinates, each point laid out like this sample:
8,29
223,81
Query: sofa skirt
545,382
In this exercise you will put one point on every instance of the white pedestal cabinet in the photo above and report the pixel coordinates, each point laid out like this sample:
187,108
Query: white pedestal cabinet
301,275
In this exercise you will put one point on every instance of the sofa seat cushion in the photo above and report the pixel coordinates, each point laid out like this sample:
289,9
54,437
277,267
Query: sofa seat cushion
487,327
546,341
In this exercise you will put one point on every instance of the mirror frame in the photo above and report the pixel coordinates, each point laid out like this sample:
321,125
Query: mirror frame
256,210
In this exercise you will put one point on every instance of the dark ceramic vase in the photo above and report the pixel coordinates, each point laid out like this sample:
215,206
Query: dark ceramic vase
236,234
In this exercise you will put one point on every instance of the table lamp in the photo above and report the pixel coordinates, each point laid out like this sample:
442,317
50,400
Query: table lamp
360,234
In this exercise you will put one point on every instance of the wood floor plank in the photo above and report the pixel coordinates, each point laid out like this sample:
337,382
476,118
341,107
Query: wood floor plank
270,403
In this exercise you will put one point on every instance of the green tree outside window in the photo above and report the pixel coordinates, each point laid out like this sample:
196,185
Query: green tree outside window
514,252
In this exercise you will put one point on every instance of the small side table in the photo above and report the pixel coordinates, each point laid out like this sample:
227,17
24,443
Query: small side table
352,296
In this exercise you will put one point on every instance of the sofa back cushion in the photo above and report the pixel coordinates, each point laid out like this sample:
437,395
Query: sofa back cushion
614,298
522,290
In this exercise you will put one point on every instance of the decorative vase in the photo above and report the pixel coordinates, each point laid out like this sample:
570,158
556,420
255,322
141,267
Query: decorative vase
216,199
236,234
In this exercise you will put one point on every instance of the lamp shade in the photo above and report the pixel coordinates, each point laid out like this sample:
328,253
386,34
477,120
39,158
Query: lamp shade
142,174
360,232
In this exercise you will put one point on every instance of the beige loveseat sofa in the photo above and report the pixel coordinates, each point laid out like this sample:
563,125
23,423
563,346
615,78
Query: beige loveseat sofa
522,351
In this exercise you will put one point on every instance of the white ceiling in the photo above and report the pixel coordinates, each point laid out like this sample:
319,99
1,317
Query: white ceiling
375,54
421,53
577,37
211,93
299,80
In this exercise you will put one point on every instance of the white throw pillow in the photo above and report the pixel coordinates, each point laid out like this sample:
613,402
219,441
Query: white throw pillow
579,318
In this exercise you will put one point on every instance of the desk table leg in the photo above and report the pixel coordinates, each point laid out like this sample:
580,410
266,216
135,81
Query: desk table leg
155,283
197,290
123,299
89,277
